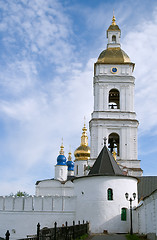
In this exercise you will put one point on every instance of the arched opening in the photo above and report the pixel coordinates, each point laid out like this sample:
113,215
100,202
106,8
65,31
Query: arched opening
109,194
114,39
123,214
114,99
113,143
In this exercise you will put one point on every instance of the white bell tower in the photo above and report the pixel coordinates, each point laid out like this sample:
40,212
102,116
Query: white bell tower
114,116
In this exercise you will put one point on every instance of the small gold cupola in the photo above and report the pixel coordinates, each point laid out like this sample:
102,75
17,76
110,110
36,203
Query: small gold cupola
62,148
83,151
113,26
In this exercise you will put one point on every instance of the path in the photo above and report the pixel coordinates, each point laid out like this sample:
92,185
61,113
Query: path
109,237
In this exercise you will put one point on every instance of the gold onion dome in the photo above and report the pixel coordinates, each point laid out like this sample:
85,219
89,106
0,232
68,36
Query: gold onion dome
83,151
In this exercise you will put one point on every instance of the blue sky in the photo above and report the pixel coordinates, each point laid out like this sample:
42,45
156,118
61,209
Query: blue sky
47,52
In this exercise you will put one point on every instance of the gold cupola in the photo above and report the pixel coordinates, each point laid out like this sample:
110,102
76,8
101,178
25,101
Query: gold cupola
113,26
83,151
113,54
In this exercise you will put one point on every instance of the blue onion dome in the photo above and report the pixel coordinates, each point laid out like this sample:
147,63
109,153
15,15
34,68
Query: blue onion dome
61,159
70,163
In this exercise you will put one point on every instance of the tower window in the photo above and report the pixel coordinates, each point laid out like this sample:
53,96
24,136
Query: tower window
123,214
114,97
114,39
113,143
110,194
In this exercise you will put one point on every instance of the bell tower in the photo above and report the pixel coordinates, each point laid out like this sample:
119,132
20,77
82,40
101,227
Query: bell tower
114,116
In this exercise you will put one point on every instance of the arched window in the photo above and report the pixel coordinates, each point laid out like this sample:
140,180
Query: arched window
113,143
114,39
123,214
114,99
109,194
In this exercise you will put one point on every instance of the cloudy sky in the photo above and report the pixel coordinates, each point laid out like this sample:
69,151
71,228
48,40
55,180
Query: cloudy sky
47,52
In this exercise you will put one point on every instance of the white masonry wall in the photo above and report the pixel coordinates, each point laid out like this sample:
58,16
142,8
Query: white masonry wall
20,215
92,202
147,216
54,187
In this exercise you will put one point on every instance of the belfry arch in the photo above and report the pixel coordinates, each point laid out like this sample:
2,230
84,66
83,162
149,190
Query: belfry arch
113,39
114,99
113,143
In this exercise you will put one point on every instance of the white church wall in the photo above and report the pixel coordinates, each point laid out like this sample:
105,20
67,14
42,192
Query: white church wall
54,188
33,203
20,215
92,202
123,70
61,172
128,138
80,167
147,215
20,224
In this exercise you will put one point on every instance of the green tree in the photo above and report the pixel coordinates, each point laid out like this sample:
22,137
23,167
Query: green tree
20,194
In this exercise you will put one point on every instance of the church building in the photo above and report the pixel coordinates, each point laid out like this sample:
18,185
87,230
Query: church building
94,186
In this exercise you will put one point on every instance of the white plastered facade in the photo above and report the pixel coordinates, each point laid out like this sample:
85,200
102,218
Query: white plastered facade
147,216
80,166
92,201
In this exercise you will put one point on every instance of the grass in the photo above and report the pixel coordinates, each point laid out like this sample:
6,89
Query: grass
135,237
83,237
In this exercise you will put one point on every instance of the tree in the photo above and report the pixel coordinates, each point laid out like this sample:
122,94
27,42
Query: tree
20,194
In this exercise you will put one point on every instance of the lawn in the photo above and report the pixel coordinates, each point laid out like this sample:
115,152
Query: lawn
135,237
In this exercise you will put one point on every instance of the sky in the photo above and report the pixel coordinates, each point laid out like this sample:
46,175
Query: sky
47,54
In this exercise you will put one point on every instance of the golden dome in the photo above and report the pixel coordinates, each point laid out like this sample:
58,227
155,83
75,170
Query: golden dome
113,55
83,151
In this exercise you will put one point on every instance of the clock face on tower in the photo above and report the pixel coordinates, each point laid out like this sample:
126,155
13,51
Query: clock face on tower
114,70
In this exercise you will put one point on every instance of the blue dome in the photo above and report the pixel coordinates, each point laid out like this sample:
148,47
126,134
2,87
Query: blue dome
61,160
70,165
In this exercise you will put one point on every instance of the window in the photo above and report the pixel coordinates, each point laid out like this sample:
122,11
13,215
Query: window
61,172
76,169
110,194
114,99
85,168
113,143
123,214
114,39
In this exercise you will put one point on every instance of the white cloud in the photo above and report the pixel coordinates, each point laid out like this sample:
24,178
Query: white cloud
45,116
140,44
37,26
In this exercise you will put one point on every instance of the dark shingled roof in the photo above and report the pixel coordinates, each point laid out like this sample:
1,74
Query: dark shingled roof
105,164
146,185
